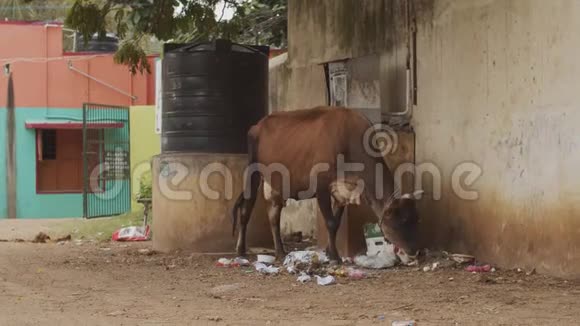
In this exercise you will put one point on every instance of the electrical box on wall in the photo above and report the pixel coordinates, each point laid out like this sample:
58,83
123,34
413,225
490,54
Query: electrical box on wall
355,83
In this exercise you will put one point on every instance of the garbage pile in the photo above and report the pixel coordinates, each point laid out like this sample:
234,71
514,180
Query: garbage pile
307,265
314,265
305,261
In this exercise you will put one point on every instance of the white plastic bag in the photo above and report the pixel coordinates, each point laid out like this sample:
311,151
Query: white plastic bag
304,278
380,261
327,280
265,269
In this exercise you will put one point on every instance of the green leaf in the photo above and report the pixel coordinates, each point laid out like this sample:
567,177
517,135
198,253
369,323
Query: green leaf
136,21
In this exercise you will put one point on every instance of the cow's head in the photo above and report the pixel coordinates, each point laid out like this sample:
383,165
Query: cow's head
400,224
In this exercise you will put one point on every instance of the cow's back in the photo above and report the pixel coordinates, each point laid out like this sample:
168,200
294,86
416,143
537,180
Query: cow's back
300,140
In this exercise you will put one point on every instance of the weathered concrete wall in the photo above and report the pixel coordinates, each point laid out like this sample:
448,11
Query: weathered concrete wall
296,88
329,30
497,87
200,223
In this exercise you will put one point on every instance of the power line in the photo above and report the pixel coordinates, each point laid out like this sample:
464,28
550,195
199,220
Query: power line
36,7
44,60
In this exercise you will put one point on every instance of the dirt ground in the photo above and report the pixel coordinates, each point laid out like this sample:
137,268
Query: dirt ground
117,284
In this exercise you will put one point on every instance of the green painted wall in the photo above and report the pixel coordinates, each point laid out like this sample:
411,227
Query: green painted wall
3,207
145,143
30,204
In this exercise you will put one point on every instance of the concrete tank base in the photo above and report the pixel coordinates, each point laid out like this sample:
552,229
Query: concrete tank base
191,208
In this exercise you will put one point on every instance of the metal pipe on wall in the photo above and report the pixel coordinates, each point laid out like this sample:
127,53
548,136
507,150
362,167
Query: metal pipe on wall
10,147
71,67
408,102
409,81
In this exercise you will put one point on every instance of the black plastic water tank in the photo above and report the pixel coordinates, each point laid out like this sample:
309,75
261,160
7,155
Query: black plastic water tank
213,93
108,44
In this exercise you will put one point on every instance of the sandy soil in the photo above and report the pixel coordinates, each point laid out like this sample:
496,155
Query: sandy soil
116,284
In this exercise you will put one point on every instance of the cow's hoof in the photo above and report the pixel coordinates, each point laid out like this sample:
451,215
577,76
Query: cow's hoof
334,262
280,257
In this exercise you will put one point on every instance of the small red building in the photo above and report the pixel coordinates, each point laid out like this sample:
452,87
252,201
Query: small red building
50,88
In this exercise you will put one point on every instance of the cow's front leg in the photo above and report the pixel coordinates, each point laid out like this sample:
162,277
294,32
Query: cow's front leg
274,211
332,219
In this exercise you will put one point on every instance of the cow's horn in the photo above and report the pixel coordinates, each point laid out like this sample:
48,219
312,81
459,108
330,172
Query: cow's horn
418,193
415,194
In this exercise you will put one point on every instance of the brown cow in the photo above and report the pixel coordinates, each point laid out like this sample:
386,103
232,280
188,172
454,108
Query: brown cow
301,155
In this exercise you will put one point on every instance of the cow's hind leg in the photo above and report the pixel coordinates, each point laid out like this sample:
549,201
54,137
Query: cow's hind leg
245,213
251,189
274,212
332,219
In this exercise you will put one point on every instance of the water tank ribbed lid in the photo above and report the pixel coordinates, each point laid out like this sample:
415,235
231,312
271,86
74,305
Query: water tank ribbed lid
219,45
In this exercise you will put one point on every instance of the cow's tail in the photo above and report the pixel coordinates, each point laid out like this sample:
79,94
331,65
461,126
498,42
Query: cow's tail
251,182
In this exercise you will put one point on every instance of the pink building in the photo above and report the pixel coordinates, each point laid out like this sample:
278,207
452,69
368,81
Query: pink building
50,88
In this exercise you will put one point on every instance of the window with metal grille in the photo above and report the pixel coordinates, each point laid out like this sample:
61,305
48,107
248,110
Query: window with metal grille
48,138
59,164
